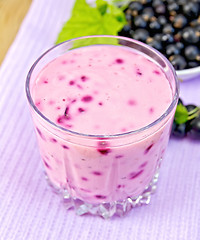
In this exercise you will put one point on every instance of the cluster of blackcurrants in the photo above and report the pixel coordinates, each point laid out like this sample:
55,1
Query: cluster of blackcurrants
170,26
190,128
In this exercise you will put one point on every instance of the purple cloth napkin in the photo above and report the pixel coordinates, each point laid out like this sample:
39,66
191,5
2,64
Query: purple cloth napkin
30,210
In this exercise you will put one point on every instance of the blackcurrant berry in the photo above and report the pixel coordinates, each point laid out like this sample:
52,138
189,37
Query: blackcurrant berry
139,22
173,7
125,31
162,20
167,38
135,6
167,28
179,130
191,9
190,35
158,36
147,13
155,44
178,62
156,3
160,9
194,131
191,52
172,49
154,26
140,34
179,21
170,26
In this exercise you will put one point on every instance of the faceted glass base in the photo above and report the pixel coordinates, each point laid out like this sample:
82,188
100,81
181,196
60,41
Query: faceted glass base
107,210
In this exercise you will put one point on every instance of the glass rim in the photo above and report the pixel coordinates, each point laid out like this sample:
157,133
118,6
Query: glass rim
103,136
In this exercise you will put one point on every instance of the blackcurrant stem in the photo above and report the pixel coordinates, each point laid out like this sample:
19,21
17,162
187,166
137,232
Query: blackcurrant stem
194,113
195,110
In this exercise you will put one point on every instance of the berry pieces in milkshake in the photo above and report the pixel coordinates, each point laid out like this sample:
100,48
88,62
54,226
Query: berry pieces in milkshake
102,93
102,90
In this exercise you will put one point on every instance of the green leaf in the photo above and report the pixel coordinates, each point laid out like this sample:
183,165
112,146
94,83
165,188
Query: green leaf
78,6
117,13
181,114
104,19
102,6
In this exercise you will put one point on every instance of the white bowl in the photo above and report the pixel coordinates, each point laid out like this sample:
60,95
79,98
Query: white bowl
188,74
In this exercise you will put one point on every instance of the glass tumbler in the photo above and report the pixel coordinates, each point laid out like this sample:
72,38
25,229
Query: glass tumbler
101,174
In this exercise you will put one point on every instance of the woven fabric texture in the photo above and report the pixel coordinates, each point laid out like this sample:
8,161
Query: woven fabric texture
30,210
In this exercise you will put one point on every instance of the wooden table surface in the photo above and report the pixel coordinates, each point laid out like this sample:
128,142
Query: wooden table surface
12,13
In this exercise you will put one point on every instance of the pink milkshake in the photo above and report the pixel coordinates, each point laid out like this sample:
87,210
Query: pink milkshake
103,117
